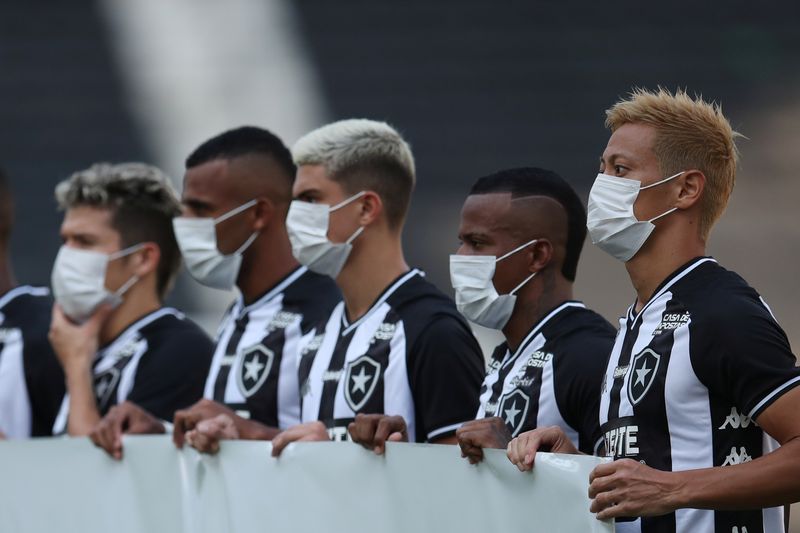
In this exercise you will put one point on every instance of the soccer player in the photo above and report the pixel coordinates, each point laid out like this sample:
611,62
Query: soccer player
522,231
236,192
31,380
700,396
112,335
396,344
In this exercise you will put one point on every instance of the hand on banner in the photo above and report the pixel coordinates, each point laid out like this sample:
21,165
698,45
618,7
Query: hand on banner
373,431
126,418
206,435
522,450
308,432
476,435
76,344
186,420
630,488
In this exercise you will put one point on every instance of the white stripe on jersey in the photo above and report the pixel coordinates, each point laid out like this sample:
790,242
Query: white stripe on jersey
15,415
260,315
128,344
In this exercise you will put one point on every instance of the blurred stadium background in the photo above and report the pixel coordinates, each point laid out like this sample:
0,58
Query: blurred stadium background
475,86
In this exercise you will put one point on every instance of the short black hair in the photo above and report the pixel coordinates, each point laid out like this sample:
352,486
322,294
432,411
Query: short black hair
6,207
246,140
532,181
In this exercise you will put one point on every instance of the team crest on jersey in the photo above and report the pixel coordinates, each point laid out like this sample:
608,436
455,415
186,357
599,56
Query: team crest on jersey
255,364
644,368
105,383
513,409
361,379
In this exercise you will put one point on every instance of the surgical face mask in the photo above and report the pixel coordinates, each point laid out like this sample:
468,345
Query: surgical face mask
476,297
610,220
79,281
307,226
197,239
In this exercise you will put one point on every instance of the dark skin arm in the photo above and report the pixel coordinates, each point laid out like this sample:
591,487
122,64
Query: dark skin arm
476,435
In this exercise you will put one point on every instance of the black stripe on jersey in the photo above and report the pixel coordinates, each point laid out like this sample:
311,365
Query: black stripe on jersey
378,352
335,369
230,350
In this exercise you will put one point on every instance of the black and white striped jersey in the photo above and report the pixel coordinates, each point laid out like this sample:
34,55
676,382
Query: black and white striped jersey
687,379
31,380
412,354
159,362
254,370
553,378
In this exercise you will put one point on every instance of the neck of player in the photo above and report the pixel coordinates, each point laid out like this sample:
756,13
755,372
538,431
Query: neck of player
672,244
268,260
7,281
375,262
542,294
139,301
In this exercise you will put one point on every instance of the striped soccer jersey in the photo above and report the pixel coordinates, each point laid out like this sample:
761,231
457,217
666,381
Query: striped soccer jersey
687,379
411,354
254,370
553,378
159,363
31,380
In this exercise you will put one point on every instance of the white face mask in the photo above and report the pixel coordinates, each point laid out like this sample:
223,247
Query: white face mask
79,281
307,225
197,239
476,297
610,220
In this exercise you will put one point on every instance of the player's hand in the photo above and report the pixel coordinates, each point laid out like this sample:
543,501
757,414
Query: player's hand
76,344
124,418
373,431
629,488
207,433
522,450
476,435
187,419
308,432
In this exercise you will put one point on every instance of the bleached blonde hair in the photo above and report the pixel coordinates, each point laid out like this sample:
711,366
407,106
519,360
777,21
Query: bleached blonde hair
363,154
691,133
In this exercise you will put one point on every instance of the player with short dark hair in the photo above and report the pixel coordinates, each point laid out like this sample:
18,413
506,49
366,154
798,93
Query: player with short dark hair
521,235
700,396
31,380
113,337
236,192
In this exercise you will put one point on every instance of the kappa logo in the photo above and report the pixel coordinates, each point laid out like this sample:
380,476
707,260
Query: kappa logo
671,321
620,371
644,369
737,458
105,384
255,363
361,379
736,420
513,408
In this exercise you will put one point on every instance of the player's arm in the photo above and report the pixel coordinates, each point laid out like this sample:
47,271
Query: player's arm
76,347
628,488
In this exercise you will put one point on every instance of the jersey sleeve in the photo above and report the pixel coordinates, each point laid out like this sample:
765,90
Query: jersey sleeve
172,375
445,374
578,376
744,355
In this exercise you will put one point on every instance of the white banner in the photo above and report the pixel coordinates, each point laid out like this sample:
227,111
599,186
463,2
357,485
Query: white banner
68,485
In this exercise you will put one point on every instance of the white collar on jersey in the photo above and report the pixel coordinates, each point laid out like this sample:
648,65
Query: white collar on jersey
136,326
538,327
19,291
676,276
241,309
388,292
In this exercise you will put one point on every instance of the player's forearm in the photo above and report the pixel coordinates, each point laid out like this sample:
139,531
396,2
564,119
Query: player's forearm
769,481
252,430
83,413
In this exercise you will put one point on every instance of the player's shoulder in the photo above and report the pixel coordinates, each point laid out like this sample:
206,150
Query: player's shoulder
169,326
314,295
580,332
418,300
26,307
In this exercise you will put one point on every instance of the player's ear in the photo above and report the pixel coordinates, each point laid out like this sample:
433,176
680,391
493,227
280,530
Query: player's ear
692,185
371,208
540,254
146,259
263,212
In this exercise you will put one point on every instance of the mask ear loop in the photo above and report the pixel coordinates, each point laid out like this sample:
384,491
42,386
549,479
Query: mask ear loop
526,280
343,203
235,211
662,181
515,250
